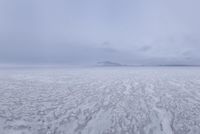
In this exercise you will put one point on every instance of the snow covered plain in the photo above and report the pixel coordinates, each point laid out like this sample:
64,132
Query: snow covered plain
157,100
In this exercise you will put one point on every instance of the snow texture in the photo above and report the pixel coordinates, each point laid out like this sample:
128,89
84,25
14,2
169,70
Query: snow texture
157,100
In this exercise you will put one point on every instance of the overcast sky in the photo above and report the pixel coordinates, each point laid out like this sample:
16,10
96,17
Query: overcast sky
89,31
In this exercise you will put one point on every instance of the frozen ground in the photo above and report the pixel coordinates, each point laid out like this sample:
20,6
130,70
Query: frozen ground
100,101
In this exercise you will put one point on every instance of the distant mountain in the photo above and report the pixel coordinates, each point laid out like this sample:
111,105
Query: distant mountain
109,63
178,65
113,64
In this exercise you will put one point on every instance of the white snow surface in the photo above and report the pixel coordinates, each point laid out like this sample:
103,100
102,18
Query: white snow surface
112,100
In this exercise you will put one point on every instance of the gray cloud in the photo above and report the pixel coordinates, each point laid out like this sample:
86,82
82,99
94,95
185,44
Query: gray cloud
76,31
145,48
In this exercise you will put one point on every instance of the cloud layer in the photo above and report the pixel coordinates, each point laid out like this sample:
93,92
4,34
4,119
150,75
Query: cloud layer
89,31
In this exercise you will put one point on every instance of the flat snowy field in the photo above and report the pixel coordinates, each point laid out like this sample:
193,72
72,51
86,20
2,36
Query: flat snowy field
140,100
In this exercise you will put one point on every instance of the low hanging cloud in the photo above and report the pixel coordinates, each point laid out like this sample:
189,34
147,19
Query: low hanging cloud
130,32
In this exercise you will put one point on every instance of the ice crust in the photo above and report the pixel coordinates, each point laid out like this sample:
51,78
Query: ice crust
117,100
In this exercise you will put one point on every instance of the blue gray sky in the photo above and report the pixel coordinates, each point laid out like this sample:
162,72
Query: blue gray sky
89,31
